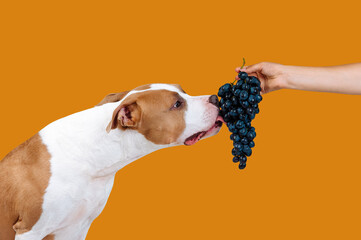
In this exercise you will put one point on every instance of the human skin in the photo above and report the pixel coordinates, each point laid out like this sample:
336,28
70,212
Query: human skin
344,79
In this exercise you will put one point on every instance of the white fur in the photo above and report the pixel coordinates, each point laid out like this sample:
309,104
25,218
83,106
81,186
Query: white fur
85,159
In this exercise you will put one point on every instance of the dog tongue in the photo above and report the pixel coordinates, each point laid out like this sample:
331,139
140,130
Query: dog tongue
194,138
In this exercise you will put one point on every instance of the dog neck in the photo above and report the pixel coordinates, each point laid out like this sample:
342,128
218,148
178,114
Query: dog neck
81,141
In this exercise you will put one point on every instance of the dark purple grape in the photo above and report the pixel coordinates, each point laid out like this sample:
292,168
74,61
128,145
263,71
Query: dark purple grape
247,150
232,128
242,75
255,82
258,98
249,111
237,92
235,101
239,106
252,116
240,110
242,166
250,135
226,117
237,138
244,140
245,86
233,113
242,158
253,90
227,87
243,95
245,104
240,124
231,136
236,152
242,132
239,83
252,100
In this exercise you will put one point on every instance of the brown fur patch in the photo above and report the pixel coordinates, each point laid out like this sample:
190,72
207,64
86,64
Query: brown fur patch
116,97
143,87
49,237
112,97
179,87
24,176
157,121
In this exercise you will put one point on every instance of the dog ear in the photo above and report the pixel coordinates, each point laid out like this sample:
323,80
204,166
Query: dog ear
125,116
113,97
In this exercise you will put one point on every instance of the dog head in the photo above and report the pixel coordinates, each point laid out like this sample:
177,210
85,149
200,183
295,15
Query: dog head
165,114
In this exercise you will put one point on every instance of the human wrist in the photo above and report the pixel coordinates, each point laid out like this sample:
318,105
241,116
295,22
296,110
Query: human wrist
291,76
286,77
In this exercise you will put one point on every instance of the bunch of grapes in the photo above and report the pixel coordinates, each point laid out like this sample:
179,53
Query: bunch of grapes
239,106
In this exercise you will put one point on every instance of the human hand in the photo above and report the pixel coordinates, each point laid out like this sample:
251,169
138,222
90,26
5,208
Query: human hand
272,75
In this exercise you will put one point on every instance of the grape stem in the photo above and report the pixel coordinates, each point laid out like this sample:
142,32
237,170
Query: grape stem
244,63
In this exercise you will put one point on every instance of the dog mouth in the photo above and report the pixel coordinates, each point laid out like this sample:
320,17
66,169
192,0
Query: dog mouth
199,135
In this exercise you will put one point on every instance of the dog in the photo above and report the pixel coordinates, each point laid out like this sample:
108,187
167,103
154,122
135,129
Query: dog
56,183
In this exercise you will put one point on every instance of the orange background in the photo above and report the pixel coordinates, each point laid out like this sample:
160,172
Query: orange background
303,180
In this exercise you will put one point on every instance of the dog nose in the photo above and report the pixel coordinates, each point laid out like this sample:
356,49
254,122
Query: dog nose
214,100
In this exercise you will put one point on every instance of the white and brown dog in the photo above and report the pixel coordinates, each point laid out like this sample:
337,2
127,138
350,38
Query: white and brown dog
56,183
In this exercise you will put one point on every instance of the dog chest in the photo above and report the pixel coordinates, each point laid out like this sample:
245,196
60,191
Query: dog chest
69,204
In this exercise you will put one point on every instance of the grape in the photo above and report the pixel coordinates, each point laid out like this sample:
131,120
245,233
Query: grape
239,105
252,100
243,95
242,158
231,136
232,128
252,116
237,92
242,131
237,138
250,111
245,86
242,75
240,124
242,165
245,104
251,135
237,151
247,150
258,98
240,110
237,145
244,140
233,113
227,104
253,90
239,84
235,100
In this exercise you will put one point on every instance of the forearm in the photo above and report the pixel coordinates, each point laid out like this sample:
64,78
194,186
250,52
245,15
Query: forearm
337,79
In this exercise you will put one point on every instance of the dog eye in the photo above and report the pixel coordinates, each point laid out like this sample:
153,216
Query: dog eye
177,104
